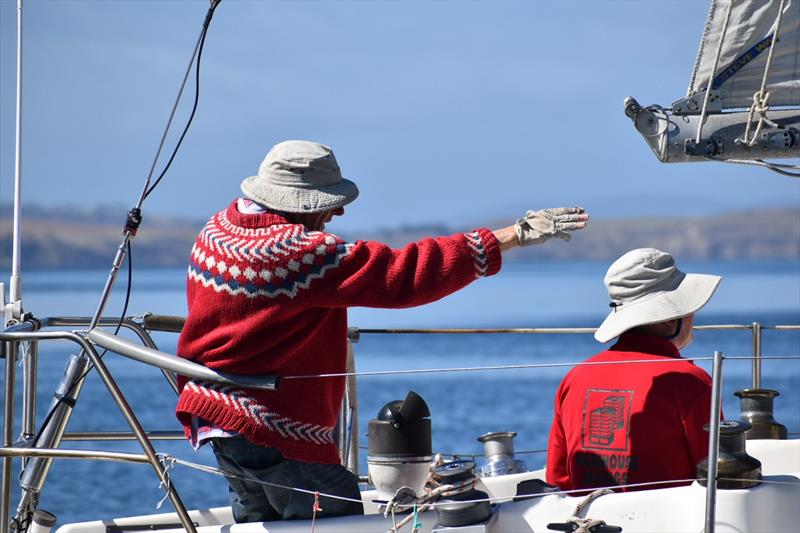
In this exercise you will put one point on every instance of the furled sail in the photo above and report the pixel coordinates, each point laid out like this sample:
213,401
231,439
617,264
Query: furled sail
746,43
743,102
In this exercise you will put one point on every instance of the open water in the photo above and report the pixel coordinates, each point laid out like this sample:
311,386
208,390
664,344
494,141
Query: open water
464,405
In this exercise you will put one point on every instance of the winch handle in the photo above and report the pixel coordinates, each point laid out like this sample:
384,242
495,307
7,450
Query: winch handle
168,323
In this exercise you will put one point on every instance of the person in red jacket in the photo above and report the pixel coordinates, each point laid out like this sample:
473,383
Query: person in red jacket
639,422
268,291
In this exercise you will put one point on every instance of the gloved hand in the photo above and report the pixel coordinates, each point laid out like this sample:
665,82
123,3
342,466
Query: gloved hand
538,226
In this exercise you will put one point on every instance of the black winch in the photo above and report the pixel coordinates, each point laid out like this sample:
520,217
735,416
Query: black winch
741,470
465,505
399,450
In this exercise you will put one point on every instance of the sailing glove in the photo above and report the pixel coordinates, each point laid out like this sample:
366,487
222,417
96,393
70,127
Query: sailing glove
538,226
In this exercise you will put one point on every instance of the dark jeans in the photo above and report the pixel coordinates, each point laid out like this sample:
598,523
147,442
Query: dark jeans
256,502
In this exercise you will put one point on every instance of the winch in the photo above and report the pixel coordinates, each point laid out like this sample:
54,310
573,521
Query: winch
756,406
399,452
498,447
464,508
735,469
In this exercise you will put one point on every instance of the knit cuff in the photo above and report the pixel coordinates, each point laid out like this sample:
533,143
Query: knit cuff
485,250
233,409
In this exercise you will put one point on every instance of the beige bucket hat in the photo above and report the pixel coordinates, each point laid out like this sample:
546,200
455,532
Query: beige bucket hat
300,177
646,287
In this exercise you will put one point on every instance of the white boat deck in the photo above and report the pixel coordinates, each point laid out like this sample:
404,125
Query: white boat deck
772,506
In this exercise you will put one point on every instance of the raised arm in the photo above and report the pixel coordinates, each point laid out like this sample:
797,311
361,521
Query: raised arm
372,274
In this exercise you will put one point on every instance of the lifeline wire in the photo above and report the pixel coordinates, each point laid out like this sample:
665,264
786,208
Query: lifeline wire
484,368
523,367
219,472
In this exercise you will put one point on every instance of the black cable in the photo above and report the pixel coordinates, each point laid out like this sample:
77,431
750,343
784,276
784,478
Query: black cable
204,32
783,172
131,230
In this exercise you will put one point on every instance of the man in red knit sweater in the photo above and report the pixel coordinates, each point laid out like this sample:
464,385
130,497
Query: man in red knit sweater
268,291
618,424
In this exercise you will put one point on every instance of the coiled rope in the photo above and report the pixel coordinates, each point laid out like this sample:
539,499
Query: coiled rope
585,525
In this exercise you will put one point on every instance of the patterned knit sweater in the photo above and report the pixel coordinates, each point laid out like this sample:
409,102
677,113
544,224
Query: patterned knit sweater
269,297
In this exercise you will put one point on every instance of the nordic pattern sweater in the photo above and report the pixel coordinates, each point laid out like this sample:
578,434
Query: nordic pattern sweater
269,297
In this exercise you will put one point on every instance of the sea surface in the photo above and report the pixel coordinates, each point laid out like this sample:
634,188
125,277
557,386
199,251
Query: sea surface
464,404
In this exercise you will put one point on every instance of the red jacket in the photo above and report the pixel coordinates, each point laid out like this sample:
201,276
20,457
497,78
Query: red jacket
268,297
620,424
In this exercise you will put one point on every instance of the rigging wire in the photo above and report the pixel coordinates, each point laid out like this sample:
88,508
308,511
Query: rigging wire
779,168
147,191
703,112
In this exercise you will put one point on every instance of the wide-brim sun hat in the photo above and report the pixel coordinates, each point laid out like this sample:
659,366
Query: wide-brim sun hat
300,177
646,287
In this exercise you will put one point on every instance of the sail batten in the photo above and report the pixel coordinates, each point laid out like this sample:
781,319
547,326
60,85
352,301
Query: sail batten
745,48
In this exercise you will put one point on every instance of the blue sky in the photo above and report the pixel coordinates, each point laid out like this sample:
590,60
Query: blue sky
455,112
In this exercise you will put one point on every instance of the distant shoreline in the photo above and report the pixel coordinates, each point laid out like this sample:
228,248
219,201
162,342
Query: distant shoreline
83,240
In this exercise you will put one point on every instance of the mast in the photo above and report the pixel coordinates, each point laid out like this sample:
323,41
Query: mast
14,307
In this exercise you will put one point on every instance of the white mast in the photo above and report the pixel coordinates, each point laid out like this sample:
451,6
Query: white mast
14,310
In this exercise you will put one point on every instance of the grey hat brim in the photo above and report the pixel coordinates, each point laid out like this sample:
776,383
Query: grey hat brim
300,200
689,296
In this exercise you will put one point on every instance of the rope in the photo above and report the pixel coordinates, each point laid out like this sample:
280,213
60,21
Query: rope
775,167
713,72
761,97
167,462
315,508
585,525
405,498
761,106
397,526
589,499
417,522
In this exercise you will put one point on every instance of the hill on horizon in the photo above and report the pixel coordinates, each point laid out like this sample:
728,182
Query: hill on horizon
72,238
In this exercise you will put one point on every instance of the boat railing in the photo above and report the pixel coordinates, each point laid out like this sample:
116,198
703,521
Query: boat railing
30,332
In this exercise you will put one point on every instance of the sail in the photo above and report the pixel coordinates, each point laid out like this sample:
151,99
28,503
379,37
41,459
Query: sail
745,47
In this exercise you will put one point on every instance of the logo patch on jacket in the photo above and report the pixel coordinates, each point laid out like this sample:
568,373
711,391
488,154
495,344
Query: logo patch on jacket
606,419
